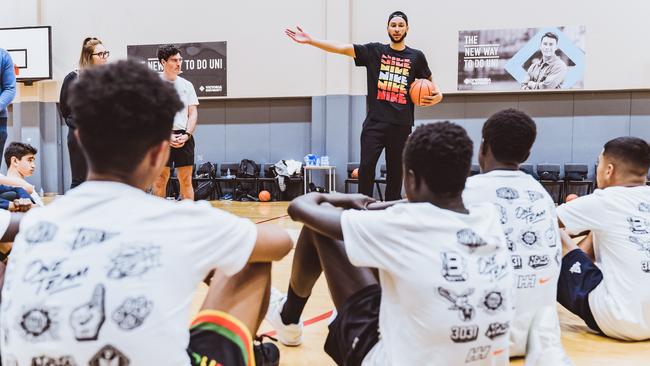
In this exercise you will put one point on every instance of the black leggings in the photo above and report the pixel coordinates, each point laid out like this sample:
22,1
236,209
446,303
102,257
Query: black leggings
78,165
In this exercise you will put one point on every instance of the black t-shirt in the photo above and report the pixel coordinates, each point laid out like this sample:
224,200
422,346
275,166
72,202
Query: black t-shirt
64,99
390,74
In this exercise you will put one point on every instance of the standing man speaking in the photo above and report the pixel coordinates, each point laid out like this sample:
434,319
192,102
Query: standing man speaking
181,156
391,69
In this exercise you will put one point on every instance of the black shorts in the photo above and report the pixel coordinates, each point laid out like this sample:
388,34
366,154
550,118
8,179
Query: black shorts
578,277
217,338
356,328
182,156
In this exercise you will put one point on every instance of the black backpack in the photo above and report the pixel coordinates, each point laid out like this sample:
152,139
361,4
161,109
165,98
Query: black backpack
248,169
204,189
549,175
206,170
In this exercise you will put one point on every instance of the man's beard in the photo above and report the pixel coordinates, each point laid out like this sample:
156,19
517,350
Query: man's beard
397,40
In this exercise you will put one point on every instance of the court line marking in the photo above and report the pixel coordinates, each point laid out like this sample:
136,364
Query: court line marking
271,219
307,322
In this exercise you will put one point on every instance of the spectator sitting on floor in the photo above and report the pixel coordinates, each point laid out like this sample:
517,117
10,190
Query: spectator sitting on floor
14,199
20,159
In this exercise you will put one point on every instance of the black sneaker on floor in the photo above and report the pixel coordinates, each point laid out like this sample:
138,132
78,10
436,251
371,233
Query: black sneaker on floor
266,354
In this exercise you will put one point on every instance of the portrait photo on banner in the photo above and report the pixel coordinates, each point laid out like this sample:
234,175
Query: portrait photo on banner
527,59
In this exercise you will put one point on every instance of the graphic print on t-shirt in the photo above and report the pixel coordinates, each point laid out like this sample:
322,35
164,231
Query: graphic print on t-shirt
638,225
132,312
644,246
87,319
459,302
51,361
109,355
41,232
38,323
134,261
55,276
644,207
86,237
454,268
393,79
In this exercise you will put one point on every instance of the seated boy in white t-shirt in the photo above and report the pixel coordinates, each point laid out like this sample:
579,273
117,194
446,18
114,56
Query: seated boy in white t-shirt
106,274
611,290
432,304
21,162
527,215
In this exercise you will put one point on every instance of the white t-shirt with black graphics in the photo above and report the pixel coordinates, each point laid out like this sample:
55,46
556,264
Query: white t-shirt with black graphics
527,215
619,219
446,283
106,274
186,92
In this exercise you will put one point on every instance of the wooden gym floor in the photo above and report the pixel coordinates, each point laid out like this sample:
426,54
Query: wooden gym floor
584,348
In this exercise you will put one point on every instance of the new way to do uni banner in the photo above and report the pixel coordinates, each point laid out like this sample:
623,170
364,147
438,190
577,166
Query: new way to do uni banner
522,59
204,64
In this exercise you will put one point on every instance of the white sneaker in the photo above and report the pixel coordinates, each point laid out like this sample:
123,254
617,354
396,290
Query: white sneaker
332,317
289,335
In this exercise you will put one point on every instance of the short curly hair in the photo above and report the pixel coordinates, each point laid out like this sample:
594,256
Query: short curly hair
440,154
121,111
510,134
167,51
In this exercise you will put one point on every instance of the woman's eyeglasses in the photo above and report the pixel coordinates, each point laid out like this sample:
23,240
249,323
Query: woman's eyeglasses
103,54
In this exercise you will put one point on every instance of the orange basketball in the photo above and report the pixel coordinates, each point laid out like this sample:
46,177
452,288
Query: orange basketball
355,174
420,88
264,196
570,197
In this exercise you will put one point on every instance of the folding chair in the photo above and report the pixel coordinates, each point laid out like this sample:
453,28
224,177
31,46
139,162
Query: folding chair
207,180
231,182
349,180
253,181
575,180
267,177
549,177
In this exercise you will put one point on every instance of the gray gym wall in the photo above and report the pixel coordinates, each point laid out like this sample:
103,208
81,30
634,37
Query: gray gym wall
257,120
572,127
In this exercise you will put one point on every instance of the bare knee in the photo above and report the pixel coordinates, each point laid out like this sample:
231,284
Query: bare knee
243,295
247,277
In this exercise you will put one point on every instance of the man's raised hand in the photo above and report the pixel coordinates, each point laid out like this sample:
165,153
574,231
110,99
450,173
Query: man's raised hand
298,35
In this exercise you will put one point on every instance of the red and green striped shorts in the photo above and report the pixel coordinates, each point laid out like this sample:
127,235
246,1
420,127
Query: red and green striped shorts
220,339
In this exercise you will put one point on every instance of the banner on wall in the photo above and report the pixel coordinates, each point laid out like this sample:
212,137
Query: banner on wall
522,59
204,64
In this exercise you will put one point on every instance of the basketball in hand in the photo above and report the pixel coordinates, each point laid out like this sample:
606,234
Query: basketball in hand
420,88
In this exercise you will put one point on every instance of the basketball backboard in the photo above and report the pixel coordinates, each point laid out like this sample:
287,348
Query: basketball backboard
31,51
